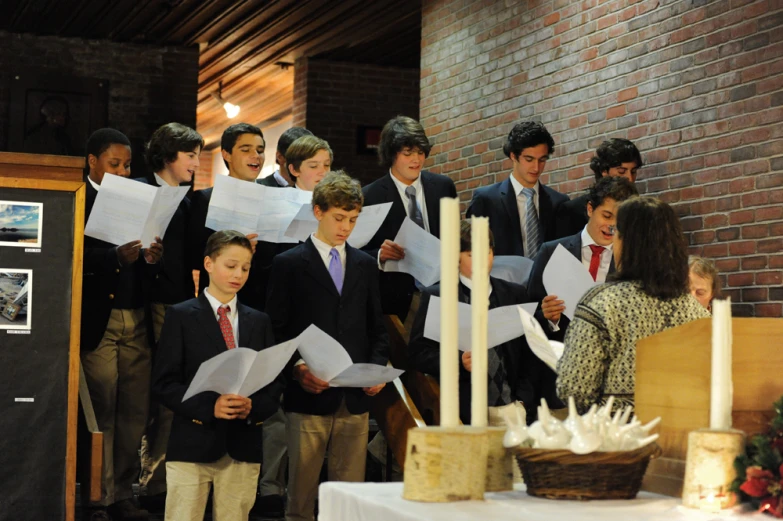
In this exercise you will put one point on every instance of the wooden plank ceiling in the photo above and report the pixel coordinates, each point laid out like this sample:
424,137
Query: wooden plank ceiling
246,45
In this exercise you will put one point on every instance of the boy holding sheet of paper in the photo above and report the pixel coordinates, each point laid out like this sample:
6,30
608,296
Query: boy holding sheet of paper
114,350
243,148
215,439
592,246
172,156
326,282
512,366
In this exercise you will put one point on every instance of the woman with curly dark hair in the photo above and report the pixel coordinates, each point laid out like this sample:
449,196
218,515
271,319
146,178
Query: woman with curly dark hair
648,294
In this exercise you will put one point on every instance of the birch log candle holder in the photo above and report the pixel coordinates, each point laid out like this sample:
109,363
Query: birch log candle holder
500,461
445,464
709,468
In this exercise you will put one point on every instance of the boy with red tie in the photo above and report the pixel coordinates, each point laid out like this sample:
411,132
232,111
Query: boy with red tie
215,439
326,282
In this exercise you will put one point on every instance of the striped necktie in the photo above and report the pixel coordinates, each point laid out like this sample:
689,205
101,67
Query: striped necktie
532,237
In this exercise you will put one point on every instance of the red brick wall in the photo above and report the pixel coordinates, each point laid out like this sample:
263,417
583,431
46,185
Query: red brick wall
697,85
332,99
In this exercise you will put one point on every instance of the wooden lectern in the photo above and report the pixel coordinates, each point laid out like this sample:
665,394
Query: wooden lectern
673,381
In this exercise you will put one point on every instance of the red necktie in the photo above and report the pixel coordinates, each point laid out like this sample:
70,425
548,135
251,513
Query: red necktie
225,326
595,260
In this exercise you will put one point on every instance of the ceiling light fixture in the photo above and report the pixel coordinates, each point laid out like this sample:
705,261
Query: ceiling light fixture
232,110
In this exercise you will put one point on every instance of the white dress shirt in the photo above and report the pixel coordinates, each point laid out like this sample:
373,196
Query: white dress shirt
587,255
522,206
160,180
324,250
94,184
233,314
420,200
279,178
468,283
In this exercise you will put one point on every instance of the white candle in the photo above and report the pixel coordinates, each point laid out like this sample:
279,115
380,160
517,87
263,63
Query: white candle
720,382
479,307
449,318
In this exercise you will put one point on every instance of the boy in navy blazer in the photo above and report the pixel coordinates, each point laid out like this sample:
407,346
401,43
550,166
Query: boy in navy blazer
326,282
115,354
522,211
592,246
215,439
414,193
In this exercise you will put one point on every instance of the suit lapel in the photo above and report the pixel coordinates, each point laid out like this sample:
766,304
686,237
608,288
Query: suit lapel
244,326
574,245
209,324
544,211
316,268
432,201
509,199
352,269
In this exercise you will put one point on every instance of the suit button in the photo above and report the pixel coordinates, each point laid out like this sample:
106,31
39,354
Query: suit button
117,270
157,277
111,296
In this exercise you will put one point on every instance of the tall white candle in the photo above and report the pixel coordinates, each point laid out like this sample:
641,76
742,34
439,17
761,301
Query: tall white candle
479,307
721,390
449,318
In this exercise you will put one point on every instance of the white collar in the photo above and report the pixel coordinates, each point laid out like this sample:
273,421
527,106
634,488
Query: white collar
324,248
402,186
215,303
160,180
518,186
280,179
587,240
468,283
94,184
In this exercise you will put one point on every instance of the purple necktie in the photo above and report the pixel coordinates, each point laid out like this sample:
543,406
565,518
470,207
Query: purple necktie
336,270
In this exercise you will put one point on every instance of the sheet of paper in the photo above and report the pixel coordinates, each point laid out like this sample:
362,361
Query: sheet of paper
549,352
266,366
512,268
167,200
370,220
234,205
121,210
279,208
223,373
365,375
566,277
303,225
504,323
324,355
422,254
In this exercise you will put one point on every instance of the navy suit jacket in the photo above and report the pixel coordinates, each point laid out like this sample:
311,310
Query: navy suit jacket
572,216
190,336
269,181
301,292
397,288
499,203
535,283
529,378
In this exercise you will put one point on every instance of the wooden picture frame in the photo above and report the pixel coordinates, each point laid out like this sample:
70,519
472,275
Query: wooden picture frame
54,114
57,182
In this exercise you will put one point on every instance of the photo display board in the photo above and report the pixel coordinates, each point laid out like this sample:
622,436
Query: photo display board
39,346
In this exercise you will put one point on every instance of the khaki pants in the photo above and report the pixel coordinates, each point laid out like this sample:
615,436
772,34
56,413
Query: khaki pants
344,433
275,451
156,436
188,486
497,418
118,377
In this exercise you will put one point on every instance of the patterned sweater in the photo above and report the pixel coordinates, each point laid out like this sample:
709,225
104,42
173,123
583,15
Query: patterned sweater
600,345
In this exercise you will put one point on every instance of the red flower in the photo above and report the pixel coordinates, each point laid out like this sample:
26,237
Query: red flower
772,505
757,482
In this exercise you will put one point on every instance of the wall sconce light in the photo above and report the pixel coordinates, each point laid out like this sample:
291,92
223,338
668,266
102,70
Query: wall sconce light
232,110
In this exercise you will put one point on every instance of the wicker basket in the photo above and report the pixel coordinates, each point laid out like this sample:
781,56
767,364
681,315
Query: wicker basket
561,474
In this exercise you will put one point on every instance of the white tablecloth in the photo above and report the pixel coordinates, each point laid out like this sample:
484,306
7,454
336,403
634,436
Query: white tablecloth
383,502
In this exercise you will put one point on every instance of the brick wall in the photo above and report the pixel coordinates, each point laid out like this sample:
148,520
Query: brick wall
332,99
148,86
697,85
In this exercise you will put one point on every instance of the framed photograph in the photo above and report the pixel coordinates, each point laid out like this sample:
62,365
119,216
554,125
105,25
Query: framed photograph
20,224
54,114
367,140
16,298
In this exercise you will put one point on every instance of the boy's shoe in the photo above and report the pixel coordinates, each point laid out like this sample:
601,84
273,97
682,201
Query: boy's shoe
153,503
271,505
126,510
